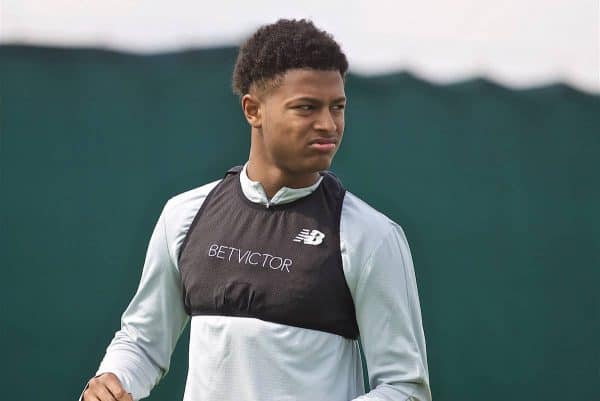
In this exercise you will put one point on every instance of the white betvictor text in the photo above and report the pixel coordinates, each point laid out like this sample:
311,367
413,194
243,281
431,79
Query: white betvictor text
249,257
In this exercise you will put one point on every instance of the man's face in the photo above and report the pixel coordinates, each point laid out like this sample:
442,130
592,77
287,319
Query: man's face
302,121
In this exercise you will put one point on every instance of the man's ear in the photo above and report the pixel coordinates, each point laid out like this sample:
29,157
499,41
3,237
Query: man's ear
251,106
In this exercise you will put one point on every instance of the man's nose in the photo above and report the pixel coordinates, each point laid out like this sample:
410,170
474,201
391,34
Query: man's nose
325,121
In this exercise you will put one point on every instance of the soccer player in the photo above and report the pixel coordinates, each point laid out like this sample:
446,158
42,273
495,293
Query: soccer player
278,268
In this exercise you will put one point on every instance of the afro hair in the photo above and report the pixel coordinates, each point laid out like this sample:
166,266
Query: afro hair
287,44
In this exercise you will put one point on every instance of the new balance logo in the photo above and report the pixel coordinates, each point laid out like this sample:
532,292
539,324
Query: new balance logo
313,237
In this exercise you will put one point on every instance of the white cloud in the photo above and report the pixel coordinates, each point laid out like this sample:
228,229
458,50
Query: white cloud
518,43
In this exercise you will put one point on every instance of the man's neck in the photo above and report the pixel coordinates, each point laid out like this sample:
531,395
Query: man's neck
273,179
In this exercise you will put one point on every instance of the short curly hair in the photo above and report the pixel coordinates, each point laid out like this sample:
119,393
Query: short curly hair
286,44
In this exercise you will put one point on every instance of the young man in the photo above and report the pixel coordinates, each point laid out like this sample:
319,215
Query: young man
279,268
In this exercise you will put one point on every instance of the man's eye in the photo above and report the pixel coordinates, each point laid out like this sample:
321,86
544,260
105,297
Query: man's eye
305,107
339,107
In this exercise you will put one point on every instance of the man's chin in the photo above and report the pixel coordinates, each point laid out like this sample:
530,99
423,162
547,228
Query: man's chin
320,164
310,165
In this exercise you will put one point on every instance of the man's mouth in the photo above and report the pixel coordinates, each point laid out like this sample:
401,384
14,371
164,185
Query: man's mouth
323,144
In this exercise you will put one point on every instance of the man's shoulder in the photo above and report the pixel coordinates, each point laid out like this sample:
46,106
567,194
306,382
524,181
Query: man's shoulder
191,196
361,216
179,212
362,230
180,208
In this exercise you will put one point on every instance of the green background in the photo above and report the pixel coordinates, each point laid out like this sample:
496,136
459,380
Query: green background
496,189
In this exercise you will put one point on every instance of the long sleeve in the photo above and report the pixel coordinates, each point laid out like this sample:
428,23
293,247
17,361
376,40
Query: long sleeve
140,352
389,319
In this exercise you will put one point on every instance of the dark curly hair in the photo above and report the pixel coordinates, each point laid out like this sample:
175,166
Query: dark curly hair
273,49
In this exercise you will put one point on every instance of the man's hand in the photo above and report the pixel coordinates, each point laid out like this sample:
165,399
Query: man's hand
106,387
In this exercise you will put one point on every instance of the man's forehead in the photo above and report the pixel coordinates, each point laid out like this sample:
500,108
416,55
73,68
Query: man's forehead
311,83
325,85
313,78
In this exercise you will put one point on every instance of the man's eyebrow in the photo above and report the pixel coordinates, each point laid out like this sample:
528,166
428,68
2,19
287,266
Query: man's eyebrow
315,100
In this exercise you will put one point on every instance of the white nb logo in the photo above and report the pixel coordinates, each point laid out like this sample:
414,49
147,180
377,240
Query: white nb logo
313,237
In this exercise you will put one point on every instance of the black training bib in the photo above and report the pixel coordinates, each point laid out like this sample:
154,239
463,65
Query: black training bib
281,264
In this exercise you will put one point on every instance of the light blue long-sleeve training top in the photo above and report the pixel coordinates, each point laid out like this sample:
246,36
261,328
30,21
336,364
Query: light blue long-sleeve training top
239,358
